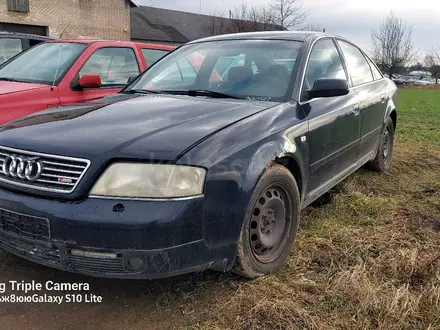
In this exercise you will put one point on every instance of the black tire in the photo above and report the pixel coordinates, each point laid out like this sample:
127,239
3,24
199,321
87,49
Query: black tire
270,225
384,154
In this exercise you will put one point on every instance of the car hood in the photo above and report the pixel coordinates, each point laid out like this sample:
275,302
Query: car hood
160,127
9,87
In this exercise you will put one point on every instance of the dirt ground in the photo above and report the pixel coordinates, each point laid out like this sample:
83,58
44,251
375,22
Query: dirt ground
125,304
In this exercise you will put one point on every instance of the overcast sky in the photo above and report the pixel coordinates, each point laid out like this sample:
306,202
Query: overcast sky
352,19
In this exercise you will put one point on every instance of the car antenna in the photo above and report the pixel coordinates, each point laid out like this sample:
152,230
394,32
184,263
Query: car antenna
56,70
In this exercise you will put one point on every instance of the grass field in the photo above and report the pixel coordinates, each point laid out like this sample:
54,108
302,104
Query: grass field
368,259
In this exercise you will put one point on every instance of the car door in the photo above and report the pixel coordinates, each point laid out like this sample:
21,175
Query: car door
370,87
333,122
115,65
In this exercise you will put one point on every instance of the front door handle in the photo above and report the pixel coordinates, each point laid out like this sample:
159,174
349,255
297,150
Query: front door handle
356,109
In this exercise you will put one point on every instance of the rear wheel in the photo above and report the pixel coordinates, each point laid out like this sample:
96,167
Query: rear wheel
270,226
384,154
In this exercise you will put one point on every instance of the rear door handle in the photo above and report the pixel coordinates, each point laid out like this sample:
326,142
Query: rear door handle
382,98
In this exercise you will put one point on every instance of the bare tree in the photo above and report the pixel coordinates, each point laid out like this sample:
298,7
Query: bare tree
288,13
243,17
392,45
250,18
266,19
432,62
216,24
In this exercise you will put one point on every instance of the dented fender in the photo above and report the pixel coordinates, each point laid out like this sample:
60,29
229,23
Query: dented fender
237,157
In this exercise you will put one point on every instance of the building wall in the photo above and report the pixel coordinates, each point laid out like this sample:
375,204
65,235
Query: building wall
98,19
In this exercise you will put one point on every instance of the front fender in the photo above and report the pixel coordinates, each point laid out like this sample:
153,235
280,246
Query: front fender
236,158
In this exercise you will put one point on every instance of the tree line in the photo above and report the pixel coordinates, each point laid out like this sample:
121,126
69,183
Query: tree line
276,15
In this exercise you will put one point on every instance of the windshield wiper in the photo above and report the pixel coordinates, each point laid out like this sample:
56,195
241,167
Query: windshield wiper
140,91
203,92
9,79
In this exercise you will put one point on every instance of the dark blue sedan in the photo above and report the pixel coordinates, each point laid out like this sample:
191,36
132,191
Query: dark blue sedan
203,161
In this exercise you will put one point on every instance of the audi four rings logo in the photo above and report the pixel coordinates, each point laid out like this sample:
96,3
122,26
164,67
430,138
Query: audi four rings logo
23,168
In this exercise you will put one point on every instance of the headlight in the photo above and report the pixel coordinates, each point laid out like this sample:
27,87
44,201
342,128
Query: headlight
150,181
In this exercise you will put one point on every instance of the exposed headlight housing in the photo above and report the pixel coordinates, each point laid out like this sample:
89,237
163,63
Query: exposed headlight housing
150,181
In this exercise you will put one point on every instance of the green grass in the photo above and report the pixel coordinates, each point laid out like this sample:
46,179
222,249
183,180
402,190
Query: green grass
419,117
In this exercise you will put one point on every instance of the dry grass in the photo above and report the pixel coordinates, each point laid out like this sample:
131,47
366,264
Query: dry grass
369,259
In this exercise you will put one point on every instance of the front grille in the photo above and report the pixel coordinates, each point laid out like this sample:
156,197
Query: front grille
58,173
32,250
96,265
24,225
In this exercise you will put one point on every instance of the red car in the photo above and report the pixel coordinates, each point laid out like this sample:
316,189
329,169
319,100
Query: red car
66,71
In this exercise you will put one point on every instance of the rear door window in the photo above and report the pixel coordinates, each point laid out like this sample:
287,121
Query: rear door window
9,48
153,55
376,73
115,65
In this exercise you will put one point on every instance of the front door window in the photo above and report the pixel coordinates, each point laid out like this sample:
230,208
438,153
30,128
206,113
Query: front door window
115,65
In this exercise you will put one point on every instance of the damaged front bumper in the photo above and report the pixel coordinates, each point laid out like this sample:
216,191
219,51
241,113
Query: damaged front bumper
111,238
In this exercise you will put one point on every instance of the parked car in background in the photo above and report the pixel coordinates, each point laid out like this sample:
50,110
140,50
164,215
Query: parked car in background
423,81
401,80
414,80
66,71
199,171
12,44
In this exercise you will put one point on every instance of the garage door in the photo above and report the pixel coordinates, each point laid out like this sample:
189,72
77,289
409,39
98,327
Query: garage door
24,28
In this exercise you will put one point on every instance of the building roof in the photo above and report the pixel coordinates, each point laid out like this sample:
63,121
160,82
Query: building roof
132,4
164,25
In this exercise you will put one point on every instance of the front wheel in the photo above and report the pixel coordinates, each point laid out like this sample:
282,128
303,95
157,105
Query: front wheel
382,161
270,225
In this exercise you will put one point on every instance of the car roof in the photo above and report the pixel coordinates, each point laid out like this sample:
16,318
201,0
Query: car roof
272,35
276,35
4,34
93,41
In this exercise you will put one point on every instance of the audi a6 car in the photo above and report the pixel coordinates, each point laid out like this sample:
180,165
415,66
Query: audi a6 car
183,171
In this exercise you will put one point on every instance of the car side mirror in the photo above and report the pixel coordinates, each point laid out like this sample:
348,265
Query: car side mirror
131,79
328,87
90,81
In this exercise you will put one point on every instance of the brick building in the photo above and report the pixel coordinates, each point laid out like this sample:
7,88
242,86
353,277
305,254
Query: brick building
101,19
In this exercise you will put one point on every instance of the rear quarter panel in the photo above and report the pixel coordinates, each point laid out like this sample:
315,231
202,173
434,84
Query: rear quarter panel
392,96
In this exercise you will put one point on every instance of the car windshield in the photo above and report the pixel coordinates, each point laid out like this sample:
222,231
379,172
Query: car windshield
248,69
43,64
